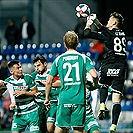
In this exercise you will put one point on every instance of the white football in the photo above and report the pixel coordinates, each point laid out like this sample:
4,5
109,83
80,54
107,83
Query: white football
82,10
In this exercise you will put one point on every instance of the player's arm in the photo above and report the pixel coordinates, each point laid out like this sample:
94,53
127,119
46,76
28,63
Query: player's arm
2,91
28,93
94,35
9,88
47,91
31,85
2,87
48,86
93,19
32,92
12,105
56,84
97,23
94,75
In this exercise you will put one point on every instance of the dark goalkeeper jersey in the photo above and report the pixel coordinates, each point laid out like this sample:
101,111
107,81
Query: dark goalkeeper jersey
114,43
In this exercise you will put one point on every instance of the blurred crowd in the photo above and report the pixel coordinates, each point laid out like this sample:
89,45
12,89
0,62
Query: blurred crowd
19,34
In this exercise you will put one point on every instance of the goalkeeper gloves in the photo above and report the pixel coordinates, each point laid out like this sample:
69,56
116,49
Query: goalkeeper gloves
93,16
90,19
93,19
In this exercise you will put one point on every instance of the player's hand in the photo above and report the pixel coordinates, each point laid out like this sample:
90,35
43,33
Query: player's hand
47,104
2,83
38,94
89,21
12,105
91,86
18,93
93,16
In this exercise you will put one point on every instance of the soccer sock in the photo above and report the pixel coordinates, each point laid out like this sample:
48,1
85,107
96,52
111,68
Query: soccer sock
116,112
103,94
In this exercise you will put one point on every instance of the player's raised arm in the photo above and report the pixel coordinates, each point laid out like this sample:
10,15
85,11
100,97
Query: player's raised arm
92,18
2,83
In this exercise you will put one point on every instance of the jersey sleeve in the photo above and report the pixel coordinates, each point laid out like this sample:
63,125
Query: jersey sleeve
33,74
89,64
95,35
54,70
30,82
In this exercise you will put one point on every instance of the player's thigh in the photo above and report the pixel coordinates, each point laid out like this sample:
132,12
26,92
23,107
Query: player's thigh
70,115
51,114
63,116
16,132
118,81
105,77
34,121
78,129
18,123
78,116
42,117
61,130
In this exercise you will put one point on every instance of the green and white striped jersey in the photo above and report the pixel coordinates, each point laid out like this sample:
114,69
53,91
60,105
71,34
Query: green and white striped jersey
72,67
88,102
41,88
25,104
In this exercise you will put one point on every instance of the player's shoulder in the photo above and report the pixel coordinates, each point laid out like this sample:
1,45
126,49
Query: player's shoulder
69,54
8,79
48,71
34,73
27,76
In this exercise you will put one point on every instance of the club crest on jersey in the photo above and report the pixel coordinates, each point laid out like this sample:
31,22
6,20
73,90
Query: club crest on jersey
113,72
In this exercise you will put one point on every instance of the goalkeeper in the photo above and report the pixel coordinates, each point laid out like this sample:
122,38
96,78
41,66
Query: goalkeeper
113,66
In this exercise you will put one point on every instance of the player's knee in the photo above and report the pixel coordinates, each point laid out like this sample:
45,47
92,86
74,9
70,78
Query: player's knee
50,128
116,98
96,131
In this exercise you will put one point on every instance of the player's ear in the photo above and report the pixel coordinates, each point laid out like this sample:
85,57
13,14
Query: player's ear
114,23
45,64
11,71
64,45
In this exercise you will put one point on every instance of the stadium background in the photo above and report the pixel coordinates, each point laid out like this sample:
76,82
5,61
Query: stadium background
52,18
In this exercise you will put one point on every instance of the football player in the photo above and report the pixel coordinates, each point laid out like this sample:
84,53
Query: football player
113,66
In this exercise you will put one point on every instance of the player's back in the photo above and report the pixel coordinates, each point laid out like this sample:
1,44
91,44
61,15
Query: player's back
72,72
115,45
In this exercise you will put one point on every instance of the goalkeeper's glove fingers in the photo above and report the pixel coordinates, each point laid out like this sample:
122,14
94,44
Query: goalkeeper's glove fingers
89,21
93,16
